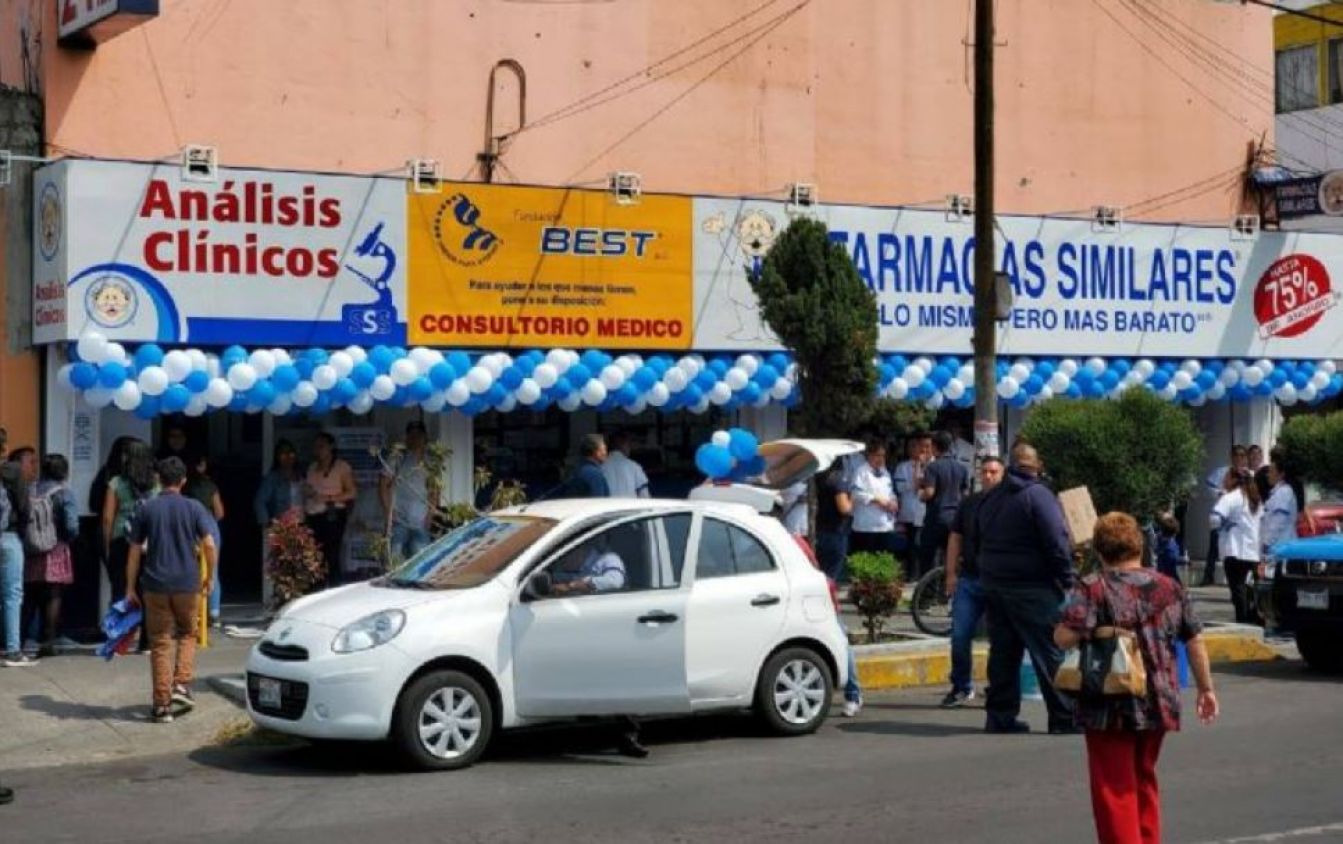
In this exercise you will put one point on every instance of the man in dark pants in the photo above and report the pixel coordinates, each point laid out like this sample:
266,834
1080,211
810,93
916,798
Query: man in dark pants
587,481
945,481
1025,566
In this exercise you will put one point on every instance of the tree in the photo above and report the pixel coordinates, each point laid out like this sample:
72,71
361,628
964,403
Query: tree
1138,454
1312,449
815,302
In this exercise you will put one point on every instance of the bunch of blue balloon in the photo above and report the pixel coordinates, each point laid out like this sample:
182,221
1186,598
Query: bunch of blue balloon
731,455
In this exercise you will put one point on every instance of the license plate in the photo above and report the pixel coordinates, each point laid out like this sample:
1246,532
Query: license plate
1310,600
268,693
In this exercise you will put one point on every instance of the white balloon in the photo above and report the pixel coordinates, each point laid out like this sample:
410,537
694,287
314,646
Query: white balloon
1045,394
914,376
1181,380
241,376
435,403
736,378
967,374
362,403
63,376
721,393
403,372
1286,394
1095,365
700,407
659,394
458,393
1069,367
637,407
196,407
721,438
281,405
545,376
478,379
935,401
305,394
926,364
493,364
571,402
1168,392
782,389
748,364
1020,371
763,401
117,352
324,377
1199,400
382,388
153,380
1236,364
594,393
558,358
213,367
1253,376
97,397
1265,365
898,388
1230,377
508,404
1327,366
262,360
342,363
357,354
690,365
627,364
1216,391
177,365
1319,380
612,377
127,396
218,393
954,389
1008,388
1308,393
1192,366
676,379
424,358
1058,382
92,347
528,392
199,360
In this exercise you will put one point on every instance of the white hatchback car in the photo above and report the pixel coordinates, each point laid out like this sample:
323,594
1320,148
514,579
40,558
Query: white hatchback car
553,611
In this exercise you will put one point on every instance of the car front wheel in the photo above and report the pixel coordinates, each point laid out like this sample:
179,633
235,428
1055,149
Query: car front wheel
1321,651
793,694
444,721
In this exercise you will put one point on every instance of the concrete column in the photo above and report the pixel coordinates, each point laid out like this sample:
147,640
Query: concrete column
767,423
455,433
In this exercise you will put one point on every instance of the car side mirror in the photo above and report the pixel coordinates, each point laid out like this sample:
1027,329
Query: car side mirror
538,586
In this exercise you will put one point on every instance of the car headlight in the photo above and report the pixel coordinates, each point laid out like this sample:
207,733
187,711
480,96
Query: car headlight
369,632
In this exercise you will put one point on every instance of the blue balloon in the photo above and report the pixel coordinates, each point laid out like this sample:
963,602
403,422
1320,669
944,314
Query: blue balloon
263,392
578,375
1033,385
1278,377
344,390
473,406
1160,378
691,395
286,377
400,397
742,444
322,406
318,356
713,460
1095,390
1109,379
525,365
779,361
1240,393
793,400
644,378
750,394
175,398
951,363
305,368
1123,367
1074,391
495,394
1216,367
112,375
196,381
627,394
592,359
362,375
1001,369
1020,400
148,408
1205,380
239,403
1335,384
382,359
83,375
706,380
898,363
150,354
1044,369
441,375
767,375
941,375
660,365
232,355
1299,379
1189,395
421,389
459,361
510,378
719,367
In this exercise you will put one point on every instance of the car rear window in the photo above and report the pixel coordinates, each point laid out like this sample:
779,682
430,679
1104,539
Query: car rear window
472,554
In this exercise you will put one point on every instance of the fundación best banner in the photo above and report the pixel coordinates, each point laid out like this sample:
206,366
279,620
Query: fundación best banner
1146,290
509,266
136,252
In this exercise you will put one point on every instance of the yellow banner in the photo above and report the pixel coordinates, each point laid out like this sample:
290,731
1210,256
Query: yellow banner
509,266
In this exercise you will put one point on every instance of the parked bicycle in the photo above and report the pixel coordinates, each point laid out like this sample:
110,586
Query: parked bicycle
930,604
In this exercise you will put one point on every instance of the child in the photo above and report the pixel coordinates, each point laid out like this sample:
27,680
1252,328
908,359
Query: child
1168,556
47,572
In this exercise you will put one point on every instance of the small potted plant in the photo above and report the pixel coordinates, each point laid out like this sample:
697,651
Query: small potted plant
875,587
293,560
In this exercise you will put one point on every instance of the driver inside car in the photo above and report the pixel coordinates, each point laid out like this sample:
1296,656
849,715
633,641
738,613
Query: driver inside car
602,570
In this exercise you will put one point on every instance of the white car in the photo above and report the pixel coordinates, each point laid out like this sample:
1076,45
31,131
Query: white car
554,611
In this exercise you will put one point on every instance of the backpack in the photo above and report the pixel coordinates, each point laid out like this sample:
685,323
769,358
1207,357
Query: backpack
40,534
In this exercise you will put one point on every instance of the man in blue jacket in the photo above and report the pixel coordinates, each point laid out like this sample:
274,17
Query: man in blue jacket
1026,566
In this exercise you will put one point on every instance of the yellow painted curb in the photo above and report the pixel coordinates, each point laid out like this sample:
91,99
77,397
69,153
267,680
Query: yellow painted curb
932,668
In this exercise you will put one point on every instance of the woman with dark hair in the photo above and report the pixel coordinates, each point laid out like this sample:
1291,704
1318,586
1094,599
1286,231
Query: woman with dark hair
48,571
1124,733
281,489
109,470
14,511
134,483
328,492
1235,517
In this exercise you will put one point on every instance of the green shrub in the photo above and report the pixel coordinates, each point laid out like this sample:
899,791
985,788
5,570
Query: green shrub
1312,448
874,588
1138,454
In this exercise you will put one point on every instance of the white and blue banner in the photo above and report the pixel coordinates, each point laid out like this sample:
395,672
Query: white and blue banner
134,251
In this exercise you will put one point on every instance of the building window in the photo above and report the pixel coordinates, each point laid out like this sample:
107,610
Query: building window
1298,74
1336,71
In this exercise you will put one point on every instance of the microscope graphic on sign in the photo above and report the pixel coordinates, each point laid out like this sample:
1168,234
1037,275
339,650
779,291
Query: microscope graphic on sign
377,318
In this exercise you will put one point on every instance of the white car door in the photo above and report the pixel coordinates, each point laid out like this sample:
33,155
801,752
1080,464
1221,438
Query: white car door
614,652
737,607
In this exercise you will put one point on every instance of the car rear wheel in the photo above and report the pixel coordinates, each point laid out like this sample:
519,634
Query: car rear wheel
1321,651
443,721
792,697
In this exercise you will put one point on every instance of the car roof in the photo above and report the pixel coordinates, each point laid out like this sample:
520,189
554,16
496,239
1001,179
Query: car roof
570,509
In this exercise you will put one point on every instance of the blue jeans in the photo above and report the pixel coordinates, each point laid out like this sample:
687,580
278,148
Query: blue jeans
11,589
832,550
1021,621
407,541
852,691
215,594
967,608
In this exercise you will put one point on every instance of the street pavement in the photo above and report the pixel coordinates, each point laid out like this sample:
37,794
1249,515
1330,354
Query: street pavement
904,770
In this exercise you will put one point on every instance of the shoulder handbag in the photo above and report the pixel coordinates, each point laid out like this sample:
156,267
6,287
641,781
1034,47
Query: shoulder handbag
1106,664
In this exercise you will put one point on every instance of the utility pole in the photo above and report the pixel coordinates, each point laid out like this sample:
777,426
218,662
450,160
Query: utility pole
986,326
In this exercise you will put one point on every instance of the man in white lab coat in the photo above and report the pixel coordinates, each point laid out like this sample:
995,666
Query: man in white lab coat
625,477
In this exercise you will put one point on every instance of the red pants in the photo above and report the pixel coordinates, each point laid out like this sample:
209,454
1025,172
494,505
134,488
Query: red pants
1124,796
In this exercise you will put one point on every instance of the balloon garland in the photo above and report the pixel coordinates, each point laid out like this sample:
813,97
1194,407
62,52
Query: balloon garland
731,455
151,381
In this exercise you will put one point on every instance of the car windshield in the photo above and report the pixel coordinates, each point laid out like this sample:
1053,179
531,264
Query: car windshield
470,555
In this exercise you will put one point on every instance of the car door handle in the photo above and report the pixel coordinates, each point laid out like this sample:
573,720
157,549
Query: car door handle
765,600
658,617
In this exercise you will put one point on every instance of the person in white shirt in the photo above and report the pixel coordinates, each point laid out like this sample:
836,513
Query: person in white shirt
1278,523
623,475
1218,482
1236,520
793,499
874,504
908,477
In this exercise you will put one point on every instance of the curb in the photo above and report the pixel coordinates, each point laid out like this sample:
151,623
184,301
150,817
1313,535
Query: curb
928,663
231,687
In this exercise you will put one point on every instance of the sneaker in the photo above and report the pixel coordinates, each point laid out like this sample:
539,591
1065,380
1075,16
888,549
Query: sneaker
19,660
31,647
852,707
182,697
161,715
6,795
956,699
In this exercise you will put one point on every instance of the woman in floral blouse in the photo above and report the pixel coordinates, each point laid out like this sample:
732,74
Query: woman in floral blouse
1124,734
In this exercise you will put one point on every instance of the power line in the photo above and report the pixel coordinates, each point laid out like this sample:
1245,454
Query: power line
1290,11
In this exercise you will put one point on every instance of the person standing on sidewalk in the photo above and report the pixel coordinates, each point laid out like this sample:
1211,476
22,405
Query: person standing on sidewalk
404,491
625,477
1124,734
834,515
49,567
874,504
328,492
1025,567
1278,523
907,478
944,484
13,521
587,480
171,584
967,598
1219,482
1236,519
